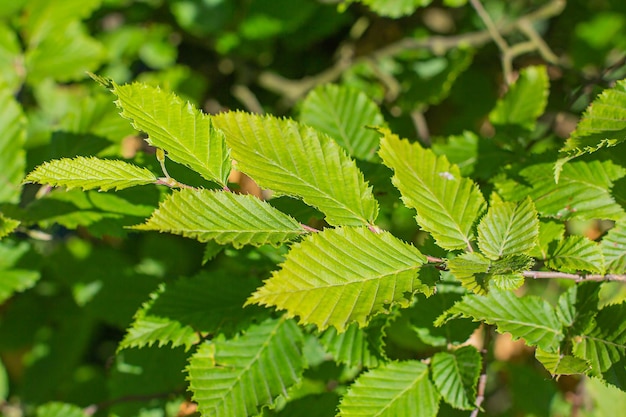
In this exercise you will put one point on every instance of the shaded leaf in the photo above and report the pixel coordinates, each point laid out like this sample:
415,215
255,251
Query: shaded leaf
236,377
222,216
188,135
525,101
559,364
16,280
613,247
603,124
90,173
294,159
58,409
447,204
472,270
396,389
179,310
345,275
7,225
508,229
576,253
12,154
549,231
344,114
529,317
455,375
351,347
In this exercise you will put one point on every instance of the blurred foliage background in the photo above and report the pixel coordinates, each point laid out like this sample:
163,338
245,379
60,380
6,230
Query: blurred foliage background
431,66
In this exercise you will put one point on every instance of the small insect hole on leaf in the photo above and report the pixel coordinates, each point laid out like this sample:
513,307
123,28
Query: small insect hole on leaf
446,175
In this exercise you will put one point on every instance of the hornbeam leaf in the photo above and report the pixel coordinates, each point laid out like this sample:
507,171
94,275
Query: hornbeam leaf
178,311
508,229
525,101
614,249
224,217
187,134
294,159
455,375
343,113
447,204
12,139
237,377
345,275
604,346
7,225
577,253
471,269
559,364
58,409
351,347
397,389
90,173
582,191
16,280
603,124
528,317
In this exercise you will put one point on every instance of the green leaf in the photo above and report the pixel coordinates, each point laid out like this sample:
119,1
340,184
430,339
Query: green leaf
549,231
7,225
578,306
525,101
582,191
46,18
90,173
237,377
604,346
188,135
340,276
559,364
64,55
12,155
576,253
57,409
528,317
210,302
613,247
455,375
508,229
344,113
603,124
396,389
294,159
394,8
10,54
472,270
447,204
224,217
351,347
16,280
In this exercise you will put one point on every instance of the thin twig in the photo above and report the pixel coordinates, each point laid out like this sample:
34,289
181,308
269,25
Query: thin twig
491,27
575,277
482,379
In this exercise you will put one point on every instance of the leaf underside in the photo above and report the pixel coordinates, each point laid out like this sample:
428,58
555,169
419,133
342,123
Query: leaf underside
345,275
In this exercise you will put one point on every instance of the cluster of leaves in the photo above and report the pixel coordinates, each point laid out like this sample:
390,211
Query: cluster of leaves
311,299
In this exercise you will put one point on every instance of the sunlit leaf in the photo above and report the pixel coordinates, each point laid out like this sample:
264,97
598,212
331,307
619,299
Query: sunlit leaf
345,275
508,229
12,139
447,204
222,216
613,247
187,134
559,364
472,270
351,347
16,280
7,225
296,160
90,173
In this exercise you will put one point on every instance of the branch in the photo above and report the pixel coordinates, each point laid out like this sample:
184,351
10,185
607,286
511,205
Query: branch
482,379
292,90
575,277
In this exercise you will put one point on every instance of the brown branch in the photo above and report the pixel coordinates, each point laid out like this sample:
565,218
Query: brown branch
575,277
292,90
482,379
